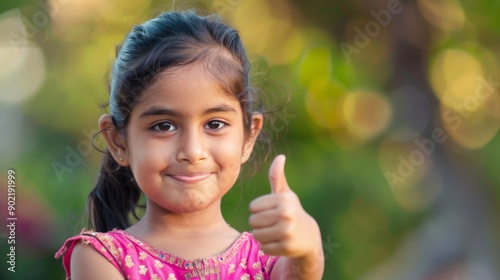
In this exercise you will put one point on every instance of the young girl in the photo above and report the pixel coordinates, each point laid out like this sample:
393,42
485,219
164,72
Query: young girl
180,126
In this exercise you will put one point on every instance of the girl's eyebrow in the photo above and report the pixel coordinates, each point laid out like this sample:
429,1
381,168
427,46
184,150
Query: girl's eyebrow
220,108
156,111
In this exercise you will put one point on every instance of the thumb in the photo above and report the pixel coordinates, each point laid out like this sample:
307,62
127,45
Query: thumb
277,175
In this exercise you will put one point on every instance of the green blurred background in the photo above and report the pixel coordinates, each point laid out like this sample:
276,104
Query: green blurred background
391,130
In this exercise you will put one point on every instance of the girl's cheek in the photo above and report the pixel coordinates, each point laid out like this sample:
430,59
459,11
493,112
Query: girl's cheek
156,153
149,152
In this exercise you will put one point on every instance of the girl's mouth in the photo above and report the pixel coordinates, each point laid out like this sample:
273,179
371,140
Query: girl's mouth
190,178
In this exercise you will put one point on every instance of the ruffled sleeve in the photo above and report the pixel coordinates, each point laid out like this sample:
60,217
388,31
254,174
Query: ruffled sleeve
101,242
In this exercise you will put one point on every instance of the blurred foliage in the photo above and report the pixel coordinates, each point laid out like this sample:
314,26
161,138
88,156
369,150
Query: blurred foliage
393,121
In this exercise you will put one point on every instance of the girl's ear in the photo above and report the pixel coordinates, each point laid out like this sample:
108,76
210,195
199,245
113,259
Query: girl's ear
114,139
257,122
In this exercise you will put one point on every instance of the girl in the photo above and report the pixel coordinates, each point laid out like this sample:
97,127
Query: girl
180,127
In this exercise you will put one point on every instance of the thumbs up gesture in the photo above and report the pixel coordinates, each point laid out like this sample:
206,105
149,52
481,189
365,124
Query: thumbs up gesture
278,220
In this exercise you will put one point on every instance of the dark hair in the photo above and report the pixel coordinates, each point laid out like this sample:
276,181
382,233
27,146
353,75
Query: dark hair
169,40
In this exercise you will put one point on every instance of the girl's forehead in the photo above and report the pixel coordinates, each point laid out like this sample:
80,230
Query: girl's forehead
189,87
194,72
184,78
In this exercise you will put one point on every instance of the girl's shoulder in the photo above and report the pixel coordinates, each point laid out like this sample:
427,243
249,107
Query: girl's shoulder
135,258
102,241
108,244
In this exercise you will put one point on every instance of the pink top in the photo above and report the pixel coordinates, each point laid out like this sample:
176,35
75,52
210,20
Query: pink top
138,260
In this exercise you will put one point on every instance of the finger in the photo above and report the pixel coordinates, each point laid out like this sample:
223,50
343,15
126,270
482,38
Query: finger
264,219
263,203
277,175
267,234
272,248
281,248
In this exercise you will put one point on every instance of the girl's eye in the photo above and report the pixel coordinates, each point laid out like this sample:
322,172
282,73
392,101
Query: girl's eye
215,125
164,126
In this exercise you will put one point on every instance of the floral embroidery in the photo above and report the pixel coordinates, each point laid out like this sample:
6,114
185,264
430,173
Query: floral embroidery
108,243
259,276
245,277
243,263
155,277
230,269
142,269
128,261
158,264
142,256
256,265
171,276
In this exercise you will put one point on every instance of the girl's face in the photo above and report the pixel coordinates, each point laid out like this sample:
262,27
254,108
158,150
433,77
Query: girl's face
185,141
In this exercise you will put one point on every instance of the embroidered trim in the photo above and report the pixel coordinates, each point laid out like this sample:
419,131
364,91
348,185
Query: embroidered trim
107,242
185,263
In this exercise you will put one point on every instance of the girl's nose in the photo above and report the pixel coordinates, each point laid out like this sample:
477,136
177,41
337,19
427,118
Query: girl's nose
191,147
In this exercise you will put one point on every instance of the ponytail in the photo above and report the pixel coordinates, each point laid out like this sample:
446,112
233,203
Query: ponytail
114,197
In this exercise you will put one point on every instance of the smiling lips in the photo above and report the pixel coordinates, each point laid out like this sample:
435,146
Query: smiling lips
190,178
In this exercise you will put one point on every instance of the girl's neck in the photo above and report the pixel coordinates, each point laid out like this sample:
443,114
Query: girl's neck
190,236
160,222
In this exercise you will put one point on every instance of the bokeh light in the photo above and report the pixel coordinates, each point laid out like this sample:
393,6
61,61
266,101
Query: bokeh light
455,76
315,65
448,15
472,129
324,102
274,35
76,20
408,169
366,113
470,101
403,164
23,63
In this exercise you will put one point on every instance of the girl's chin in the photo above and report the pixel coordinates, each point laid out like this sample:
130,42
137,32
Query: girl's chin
184,201
190,207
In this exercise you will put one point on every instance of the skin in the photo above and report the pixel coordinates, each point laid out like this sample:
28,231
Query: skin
185,158
285,229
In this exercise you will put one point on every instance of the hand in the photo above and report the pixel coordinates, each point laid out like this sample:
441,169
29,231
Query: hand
278,220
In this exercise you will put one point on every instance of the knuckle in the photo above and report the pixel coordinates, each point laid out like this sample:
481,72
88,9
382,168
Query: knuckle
267,250
285,231
283,198
286,247
257,235
286,213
